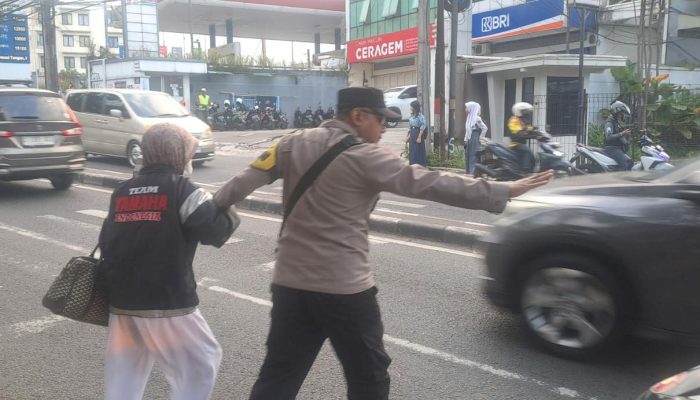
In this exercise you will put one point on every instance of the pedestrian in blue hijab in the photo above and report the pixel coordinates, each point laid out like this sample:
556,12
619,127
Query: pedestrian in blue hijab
416,136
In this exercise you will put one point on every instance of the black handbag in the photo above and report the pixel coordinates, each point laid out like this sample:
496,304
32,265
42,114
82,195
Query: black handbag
80,292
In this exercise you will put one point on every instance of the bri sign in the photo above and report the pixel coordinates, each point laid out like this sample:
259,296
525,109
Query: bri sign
386,46
511,18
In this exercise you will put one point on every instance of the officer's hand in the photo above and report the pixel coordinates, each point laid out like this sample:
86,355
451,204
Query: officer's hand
524,185
626,132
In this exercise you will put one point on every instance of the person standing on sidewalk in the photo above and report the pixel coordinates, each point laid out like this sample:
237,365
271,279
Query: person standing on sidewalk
323,286
416,136
203,101
475,132
148,242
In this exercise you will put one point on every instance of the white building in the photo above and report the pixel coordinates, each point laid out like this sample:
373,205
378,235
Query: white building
76,27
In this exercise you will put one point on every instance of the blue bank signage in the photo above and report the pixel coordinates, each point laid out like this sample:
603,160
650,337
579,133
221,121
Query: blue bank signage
14,39
505,18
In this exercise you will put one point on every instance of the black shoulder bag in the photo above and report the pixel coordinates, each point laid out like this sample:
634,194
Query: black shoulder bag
312,173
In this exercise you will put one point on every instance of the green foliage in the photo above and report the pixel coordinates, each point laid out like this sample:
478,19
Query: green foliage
596,135
454,160
71,79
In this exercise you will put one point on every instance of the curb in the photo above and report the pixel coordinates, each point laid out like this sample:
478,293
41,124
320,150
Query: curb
395,226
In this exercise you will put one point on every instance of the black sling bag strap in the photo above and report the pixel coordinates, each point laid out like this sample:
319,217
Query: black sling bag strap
315,170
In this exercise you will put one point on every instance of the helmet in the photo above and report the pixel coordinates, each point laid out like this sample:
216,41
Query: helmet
522,109
203,89
239,100
619,107
227,103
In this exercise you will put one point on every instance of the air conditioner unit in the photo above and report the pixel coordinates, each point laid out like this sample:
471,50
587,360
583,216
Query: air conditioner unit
592,39
481,49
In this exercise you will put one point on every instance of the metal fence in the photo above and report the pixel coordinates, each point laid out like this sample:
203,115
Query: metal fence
557,114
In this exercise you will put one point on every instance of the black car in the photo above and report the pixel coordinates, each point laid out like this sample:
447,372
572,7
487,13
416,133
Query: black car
39,137
683,386
587,259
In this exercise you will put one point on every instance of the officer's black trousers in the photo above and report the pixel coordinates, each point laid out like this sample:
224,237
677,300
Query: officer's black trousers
301,322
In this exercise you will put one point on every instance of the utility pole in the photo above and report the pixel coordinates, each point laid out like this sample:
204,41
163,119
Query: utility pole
49,28
423,64
106,18
440,79
581,131
453,68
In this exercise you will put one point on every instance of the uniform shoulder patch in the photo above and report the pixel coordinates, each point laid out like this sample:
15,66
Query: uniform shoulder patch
267,160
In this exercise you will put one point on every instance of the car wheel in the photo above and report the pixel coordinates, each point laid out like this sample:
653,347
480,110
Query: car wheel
133,153
61,182
571,305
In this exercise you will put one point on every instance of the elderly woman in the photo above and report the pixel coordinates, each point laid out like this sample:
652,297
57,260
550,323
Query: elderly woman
475,132
416,136
148,242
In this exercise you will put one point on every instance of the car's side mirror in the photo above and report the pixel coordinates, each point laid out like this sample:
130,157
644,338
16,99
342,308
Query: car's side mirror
116,113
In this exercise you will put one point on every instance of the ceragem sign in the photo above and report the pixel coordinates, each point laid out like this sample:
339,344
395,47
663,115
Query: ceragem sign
386,46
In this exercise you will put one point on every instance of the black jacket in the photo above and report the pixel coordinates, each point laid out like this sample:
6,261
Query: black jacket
149,238
613,134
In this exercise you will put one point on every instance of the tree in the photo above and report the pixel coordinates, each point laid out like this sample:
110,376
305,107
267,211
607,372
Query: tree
70,79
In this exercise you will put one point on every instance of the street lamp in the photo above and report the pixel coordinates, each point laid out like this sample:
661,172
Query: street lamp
582,6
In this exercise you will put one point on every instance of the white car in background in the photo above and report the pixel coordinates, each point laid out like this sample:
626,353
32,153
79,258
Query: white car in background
399,100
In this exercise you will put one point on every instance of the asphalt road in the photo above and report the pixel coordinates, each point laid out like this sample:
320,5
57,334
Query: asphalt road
237,149
446,341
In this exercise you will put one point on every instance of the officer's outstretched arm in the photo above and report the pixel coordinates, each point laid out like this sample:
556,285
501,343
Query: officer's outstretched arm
262,171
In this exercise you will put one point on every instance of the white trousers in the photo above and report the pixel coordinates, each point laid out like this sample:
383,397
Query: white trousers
184,346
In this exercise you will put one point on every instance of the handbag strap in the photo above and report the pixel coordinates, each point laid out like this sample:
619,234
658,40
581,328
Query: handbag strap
312,173
92,254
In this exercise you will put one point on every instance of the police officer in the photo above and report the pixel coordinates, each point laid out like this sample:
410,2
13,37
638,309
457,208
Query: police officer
323,286
617,137
203,105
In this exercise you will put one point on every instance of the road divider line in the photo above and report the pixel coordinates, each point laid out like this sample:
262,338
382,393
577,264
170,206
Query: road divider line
425,350
70,221
37,325
401,204
94,189
94,213
43,238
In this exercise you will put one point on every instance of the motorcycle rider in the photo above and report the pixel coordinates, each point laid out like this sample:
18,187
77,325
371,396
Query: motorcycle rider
521,129
617,137
240,106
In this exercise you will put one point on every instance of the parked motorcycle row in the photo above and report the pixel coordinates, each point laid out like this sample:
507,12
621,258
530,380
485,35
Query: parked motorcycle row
312,119
498,162
239,119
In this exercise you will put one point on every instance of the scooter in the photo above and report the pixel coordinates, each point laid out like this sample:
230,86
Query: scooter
653,156
498,162
593,160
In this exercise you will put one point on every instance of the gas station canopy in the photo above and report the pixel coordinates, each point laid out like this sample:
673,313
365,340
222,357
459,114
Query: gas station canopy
289,20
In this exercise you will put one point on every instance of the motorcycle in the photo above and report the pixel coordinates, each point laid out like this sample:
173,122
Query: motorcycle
307,120
252,120
319,116
653,156
498,162
281,119
267,120
298,118
330,113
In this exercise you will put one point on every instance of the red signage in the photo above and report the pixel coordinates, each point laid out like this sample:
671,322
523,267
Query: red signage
163,51
386,46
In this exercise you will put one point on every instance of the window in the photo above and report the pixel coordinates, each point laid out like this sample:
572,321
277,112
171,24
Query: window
529,90
414,4
93,103
75,101
113,42
154,104
83,20
364,12
23,107
83,62
84,41
562,105
69,62
410,93
68,41
390,8
40,40
43,62
113,102
67,19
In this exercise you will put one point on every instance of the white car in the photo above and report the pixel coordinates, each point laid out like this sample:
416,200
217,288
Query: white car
399,100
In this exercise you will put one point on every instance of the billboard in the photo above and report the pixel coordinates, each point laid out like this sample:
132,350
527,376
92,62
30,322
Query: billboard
505,19
14,39
386,46
141,34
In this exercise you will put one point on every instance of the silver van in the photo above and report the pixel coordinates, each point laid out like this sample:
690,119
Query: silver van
114,121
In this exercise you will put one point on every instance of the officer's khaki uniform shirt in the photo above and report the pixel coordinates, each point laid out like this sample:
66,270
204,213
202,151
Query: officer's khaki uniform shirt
324,246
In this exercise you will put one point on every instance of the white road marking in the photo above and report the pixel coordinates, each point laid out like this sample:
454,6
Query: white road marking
94,213
37,325
428,351
93,189
233,240
129,174
70,221
39,236
396,212
387,240
266,193
266,266
401,204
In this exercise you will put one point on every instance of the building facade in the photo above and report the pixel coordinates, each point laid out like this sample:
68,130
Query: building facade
79,31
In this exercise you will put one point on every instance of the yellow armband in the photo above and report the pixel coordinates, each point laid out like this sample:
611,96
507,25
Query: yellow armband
267,160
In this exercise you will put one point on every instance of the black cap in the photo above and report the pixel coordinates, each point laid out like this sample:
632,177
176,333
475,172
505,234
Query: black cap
364,97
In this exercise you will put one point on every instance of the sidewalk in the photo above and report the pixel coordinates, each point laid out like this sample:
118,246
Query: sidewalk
412,226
